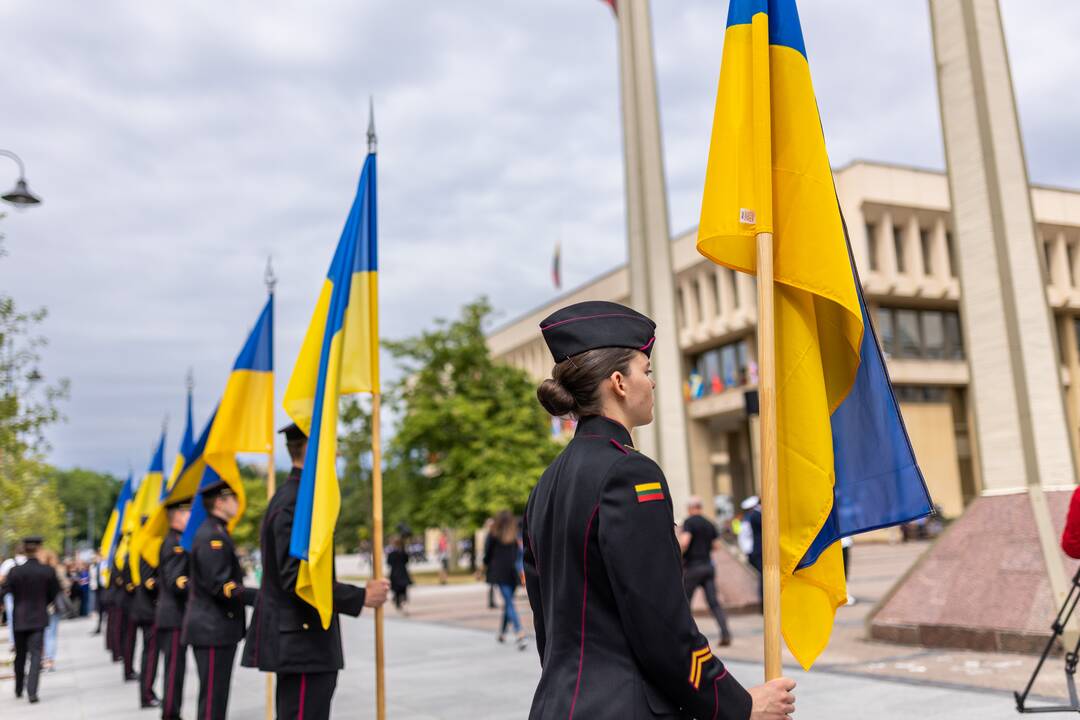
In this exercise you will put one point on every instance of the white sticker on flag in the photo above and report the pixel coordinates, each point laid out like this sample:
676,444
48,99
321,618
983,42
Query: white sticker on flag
746,216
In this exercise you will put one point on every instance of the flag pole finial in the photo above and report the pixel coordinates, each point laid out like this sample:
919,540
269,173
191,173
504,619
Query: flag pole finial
269,277
372,142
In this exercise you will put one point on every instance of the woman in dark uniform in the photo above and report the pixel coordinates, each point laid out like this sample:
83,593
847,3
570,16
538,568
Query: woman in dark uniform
602,562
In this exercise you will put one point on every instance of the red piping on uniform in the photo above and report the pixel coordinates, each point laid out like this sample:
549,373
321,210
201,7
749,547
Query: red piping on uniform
303,691
584,604
592,317
618,445
716,693
647,345
210,686
172,674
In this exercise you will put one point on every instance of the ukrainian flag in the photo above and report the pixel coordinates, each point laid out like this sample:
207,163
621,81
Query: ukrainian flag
147,542
845,462
339,356
191,480
147,499
111,538
245,416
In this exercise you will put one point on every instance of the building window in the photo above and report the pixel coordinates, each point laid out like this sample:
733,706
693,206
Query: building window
1048,252
733,284
927,251
950,246
898,244
871,245
719,369
1070,253
919,334
919,393
714,289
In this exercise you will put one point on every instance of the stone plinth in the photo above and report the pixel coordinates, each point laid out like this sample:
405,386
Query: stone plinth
982,586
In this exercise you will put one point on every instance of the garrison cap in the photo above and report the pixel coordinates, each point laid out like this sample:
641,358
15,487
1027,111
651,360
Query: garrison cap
32,540
596,324
179,504
218,487
292,433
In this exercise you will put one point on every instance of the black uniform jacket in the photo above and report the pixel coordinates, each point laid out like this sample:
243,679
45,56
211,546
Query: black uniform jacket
172,582
604,577
215,608
123,587
286,633
144,604
33,586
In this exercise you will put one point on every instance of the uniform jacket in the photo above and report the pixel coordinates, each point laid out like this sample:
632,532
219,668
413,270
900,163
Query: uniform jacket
123,588
144,604
604,576
33,586
215,608
287,635
172,582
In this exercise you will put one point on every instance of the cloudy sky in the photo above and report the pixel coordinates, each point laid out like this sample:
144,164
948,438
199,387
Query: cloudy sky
176,147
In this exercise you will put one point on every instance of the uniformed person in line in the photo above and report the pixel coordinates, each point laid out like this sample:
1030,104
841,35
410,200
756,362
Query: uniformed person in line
33,586
173,577
143,611
602,562
124,597
287,636
214,617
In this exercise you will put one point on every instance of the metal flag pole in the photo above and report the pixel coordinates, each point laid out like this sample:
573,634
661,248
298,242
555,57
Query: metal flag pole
376,483
271,479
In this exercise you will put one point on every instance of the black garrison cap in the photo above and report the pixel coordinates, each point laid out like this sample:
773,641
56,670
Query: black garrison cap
596,324
216,488
292,433
32,541
179,504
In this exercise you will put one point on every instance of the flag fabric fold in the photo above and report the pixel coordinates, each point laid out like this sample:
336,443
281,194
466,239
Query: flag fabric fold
110,539
339,355
244,421
147,499
844,461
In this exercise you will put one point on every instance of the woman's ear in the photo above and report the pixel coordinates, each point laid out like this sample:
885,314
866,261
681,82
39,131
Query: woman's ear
618,384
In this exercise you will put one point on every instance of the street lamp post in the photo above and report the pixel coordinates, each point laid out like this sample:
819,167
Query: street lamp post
20,195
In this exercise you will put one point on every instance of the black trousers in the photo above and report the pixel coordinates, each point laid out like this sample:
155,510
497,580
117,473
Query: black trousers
174,657
704,576
127,648
148,667
215,666
305,696
114,633
28,642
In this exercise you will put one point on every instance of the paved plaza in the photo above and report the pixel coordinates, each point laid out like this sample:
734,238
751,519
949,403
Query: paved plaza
443,663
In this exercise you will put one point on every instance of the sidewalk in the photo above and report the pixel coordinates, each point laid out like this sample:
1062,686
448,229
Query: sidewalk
438,672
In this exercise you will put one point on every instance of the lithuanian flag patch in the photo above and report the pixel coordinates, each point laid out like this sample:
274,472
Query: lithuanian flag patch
647,492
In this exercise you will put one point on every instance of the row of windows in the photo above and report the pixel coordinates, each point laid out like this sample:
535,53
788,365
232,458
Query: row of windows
923,334
925,248
712,286
719,369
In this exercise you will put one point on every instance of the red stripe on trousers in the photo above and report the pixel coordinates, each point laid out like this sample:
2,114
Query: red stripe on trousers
303,691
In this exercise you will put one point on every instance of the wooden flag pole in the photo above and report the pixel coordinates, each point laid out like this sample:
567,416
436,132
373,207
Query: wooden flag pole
271,482
377,550
770,507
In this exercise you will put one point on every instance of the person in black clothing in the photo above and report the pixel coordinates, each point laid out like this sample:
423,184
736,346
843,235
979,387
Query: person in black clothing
400,580
696,539
214,616
172,599
602,564
288,635
501,550
33,586
143,611
752,517
127,630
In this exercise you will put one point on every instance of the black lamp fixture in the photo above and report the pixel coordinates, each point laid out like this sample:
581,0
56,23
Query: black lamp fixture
20,195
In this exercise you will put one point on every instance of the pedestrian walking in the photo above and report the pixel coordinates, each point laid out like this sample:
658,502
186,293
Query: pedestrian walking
697,539
32,586
173,574
501,552
59,608
289,638
751,538
602,564
9,602
214,617
400,580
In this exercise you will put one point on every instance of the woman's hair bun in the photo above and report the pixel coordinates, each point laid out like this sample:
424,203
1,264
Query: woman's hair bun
555,398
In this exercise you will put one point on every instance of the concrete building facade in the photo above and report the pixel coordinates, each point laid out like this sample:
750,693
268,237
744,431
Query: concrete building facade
902,236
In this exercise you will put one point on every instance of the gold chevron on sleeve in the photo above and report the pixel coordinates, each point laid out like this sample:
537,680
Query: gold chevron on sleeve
698,658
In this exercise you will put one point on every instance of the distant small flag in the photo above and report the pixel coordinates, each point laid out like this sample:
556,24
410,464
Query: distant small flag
556,266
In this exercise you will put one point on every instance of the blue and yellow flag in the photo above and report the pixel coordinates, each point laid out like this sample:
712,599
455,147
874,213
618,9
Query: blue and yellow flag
845,462
110,539
244,421
181,485
147,499
339,356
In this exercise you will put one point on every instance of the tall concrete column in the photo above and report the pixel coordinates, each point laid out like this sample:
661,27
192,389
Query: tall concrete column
652,288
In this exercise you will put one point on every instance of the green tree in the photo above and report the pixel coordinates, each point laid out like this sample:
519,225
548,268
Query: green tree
28,405
87,495
472,438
